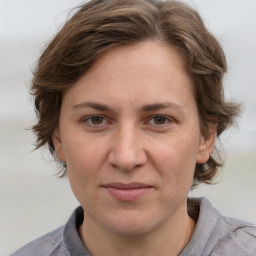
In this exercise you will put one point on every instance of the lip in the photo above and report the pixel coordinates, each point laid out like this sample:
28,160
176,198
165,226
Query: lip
127,191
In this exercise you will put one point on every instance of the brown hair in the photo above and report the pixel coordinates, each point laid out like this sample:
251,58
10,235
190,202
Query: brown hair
100,25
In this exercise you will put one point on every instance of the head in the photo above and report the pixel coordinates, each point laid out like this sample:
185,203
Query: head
101,26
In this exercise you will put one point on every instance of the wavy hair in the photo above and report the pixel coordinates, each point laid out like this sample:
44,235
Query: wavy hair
100,25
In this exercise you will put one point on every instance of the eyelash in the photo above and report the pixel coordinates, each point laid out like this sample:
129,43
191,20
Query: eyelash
166,120
89,121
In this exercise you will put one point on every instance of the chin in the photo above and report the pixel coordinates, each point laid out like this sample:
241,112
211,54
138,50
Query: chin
131,223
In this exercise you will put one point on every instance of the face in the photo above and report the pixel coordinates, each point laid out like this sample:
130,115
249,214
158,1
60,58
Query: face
129,133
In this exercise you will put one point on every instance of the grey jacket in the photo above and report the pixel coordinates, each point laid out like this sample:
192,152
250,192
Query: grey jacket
213,235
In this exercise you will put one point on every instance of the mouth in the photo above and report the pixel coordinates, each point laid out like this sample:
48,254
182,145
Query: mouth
129,191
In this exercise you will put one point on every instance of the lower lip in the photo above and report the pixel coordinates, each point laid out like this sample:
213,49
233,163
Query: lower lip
128,194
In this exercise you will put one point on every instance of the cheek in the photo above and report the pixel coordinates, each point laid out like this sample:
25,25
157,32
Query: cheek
175,160
84,159
82,151
83,165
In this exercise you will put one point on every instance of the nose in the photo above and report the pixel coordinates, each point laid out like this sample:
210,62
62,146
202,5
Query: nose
127,151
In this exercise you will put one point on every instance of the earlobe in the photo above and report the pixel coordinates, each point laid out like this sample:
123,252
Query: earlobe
206,147
58,145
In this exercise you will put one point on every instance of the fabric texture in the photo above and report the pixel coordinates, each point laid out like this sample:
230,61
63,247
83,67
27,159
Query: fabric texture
214,235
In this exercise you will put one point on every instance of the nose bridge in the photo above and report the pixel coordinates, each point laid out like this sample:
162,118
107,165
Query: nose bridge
127,151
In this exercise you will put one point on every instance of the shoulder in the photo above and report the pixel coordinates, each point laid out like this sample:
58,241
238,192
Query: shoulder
50,244
218,235
237,238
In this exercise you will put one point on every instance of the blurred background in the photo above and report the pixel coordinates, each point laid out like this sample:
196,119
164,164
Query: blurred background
33,200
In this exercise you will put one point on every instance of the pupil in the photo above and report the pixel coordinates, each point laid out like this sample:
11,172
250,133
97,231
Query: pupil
97,120
159,120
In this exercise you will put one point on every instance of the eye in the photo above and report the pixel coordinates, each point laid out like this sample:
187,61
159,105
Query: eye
95,121
159,120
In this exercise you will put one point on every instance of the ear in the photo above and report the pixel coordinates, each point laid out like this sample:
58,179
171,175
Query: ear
206,147
58,146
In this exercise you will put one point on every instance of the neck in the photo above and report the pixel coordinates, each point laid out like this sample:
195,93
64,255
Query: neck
168,239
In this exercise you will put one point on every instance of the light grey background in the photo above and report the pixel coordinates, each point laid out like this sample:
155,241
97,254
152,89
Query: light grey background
32,200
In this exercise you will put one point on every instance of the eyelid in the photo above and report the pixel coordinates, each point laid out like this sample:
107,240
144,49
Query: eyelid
168,119
86,118
106,121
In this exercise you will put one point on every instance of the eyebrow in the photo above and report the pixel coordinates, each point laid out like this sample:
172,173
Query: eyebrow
146,108
159,106
94,105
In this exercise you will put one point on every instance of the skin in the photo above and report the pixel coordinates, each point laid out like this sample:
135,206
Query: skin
133,118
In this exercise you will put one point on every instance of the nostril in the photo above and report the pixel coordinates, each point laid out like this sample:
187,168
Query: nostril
127,162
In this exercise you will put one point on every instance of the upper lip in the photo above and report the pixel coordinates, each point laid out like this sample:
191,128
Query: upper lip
132,185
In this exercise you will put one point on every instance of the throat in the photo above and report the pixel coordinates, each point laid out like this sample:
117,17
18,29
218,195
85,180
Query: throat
164,242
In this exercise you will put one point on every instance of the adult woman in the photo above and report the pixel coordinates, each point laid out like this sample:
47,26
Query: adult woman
129,98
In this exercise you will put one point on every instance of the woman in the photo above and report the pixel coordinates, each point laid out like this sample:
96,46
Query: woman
129,100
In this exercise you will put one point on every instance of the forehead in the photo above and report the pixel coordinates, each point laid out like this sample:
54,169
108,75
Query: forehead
148,54
144,72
